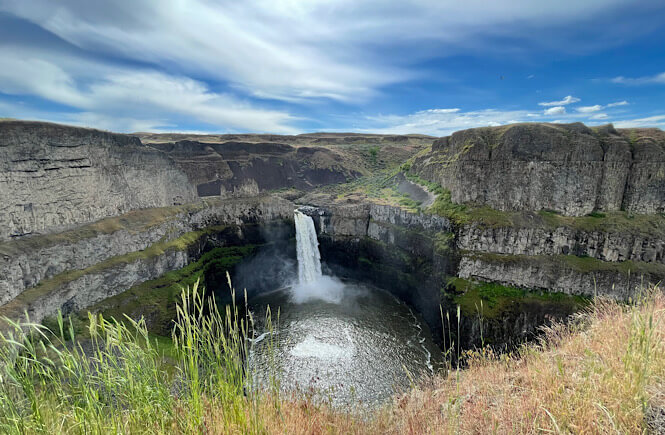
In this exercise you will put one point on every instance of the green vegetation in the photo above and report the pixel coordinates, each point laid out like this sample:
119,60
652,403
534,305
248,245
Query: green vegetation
609,222
156,299
119,383
497,298
605,371
380,187
373,151
443,206
15,308
578,264
443,242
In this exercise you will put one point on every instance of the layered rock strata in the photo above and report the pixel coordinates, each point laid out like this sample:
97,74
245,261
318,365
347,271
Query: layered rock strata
54,176
568,168
75,269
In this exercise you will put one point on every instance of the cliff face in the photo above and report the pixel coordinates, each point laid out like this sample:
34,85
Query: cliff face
54,176
601,245
561,274
240,168
568,168
77,268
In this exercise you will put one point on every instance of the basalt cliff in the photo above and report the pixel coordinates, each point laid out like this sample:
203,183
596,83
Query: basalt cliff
530,219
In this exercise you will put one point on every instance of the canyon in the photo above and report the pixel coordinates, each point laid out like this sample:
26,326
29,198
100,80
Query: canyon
529,219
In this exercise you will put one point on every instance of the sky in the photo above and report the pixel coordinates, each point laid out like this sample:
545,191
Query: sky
293,66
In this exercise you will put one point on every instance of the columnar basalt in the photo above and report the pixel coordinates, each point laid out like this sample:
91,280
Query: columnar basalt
54,176
568,168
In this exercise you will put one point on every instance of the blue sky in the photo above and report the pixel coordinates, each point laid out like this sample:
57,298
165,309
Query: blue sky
293,66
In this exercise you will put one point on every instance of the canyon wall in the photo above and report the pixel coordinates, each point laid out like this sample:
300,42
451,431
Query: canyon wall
74,269
568,168
87,214
54,176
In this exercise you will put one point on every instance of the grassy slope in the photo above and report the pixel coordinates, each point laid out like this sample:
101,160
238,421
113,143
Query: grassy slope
604,373
578,264
496,298
157,298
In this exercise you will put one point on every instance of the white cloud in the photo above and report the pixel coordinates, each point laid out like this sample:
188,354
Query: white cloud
441,122
618,103
589,109
655,79
296,50
567,100
651,121
153,98
558,110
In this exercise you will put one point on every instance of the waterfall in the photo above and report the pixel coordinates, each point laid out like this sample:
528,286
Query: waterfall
309,258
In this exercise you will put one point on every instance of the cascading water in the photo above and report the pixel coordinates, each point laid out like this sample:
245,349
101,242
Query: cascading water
349,342
312,284
309,258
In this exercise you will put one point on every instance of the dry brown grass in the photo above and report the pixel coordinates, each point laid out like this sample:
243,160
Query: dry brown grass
600,375
603,373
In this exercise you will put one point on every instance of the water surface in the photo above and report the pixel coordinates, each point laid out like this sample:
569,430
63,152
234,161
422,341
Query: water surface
344,343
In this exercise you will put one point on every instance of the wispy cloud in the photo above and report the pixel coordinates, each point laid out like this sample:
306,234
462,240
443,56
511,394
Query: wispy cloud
558,110
148,94
589,109
650,121
567,100
255,65
646,80
618,103
343,50
442,122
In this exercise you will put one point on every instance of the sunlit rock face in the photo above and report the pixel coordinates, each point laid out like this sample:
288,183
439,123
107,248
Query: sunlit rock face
568,168
54,176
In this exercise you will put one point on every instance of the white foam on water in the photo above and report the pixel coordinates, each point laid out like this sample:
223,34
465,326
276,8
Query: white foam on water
311,347
326,288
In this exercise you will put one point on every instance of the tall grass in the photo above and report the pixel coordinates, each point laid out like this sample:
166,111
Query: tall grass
118,382
603,373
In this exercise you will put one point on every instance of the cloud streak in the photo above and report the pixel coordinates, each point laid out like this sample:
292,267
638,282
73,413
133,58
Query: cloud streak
646,80
567,100
157,98
295,50
558,110
589,109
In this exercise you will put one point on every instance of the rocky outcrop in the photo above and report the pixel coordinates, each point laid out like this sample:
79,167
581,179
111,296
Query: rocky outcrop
366,220
88,289
54,176
568,168
563,274
233,168
27,262
519,240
